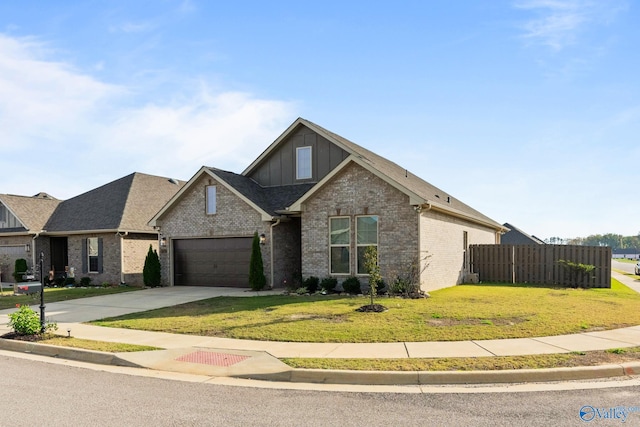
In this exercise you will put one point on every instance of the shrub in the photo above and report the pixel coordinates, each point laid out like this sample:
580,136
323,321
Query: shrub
381,287
311,283
403,287
20,268
257,280
152,271
70,281
85,281
329,284
351,285
25,321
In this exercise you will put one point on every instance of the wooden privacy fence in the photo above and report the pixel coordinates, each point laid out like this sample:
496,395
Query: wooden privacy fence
539,264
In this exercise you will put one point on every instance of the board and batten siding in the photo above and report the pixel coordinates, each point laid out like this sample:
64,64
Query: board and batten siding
279,168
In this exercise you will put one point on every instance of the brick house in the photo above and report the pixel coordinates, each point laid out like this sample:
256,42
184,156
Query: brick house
317,200
102,234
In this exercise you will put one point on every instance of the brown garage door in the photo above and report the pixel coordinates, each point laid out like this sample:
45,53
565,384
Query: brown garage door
212,262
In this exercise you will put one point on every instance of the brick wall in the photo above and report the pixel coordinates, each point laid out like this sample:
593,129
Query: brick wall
441,241
188,219
287,256
136,247
111,261
355,191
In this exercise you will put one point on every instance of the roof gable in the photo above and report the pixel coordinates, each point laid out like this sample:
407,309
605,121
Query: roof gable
419,191
31,213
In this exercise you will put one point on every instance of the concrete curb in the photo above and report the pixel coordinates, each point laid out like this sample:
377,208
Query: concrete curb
83,355
323,376
327,376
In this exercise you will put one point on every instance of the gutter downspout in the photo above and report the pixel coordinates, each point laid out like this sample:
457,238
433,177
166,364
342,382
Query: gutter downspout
271,250
121,235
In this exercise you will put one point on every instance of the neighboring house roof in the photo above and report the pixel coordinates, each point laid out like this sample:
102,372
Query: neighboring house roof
515,236
32,212
124,205
420,191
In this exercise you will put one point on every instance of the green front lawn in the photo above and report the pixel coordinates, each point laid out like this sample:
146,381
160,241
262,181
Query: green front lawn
8,300
465,312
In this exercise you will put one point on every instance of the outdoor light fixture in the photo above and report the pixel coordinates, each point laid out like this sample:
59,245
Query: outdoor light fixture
69,333
163,242
27,248
263,239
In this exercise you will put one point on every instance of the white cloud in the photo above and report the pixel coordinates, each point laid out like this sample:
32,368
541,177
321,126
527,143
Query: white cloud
559,23
41,100
65,132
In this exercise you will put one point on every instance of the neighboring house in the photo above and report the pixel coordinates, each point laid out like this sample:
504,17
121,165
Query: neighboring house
102,234
515,236
317,200
22,219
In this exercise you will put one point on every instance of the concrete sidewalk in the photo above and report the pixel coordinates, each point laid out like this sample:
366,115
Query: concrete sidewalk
259,359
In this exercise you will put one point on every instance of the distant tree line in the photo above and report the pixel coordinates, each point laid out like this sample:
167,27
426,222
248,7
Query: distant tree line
615,241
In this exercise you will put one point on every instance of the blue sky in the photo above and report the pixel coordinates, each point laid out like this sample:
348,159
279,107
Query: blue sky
527,110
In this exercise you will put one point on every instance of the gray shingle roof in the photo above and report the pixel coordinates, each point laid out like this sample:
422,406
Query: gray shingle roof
402,176
515,236
32,212
126,204
269,199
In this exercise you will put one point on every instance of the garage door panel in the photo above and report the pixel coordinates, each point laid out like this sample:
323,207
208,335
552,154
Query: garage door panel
212,262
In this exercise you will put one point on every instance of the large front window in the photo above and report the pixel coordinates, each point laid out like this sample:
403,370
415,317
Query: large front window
340,241
303,163
366,235
93,253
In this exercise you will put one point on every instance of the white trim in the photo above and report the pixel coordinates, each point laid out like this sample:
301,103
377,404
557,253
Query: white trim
365,245
348,245
298,151
211,209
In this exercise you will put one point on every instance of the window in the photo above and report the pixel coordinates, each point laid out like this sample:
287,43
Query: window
303,163
93,253
211,199
339,242
366,235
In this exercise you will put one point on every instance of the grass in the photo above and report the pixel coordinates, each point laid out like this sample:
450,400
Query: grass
465,312
590,358
8,300
110,347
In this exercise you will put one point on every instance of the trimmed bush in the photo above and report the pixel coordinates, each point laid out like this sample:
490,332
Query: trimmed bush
25,321
20,268
85,281
257,279
351,285
311,283
152,271
329,284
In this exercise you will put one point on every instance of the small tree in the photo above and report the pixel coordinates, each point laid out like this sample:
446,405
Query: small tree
371,264
257,280
152,271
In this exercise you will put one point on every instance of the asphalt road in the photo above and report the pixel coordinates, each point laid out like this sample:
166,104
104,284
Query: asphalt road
623,266
41,393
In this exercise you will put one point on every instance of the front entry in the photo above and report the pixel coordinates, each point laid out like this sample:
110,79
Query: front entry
59,256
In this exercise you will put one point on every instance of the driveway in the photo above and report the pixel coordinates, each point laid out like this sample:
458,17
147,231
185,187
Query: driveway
99,307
